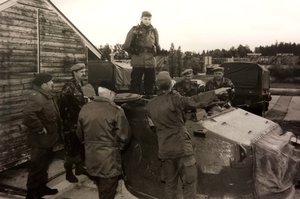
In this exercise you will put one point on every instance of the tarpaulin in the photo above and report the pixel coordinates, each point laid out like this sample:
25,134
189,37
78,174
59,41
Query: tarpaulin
276,166
122,74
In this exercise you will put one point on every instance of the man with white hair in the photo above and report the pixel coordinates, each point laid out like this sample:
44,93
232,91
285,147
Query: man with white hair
104,130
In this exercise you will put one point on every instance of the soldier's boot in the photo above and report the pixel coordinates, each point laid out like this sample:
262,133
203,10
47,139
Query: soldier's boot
70,176
33,194
80,170
44,190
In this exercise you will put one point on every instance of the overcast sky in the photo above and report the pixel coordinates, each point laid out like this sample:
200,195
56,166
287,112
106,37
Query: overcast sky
195,25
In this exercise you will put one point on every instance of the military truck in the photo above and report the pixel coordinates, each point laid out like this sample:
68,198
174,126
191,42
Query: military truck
252,86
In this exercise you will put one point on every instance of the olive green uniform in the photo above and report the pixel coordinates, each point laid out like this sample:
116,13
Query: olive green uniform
174,141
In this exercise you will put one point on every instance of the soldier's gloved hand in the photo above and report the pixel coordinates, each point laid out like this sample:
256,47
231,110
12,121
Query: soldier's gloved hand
222,91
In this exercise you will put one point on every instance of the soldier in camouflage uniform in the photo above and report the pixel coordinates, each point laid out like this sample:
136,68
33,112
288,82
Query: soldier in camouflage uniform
72,100
219,81
186,87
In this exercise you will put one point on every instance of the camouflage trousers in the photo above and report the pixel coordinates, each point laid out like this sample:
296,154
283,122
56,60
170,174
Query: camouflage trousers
74,150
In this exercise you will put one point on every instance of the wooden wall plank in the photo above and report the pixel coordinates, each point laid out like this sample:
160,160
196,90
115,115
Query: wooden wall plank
35,3
60,47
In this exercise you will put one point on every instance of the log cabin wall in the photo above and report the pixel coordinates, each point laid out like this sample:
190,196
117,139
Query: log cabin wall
33,38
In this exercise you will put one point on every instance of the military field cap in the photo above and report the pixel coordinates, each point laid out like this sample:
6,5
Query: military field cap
163,80
42,78
187,71
215,69
108,85
78,66
146,14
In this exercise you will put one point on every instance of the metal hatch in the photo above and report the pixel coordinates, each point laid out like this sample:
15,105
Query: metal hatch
239,126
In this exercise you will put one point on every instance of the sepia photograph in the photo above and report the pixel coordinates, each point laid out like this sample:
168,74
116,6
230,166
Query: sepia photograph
137,99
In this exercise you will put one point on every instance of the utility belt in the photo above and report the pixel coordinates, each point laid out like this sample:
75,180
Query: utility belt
138,50
146,50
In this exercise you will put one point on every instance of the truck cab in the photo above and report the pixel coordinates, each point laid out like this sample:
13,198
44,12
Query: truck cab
252,86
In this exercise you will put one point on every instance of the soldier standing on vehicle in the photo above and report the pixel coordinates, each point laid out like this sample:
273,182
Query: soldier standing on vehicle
42,118
104,130
72,100
142,43
187,87
175,148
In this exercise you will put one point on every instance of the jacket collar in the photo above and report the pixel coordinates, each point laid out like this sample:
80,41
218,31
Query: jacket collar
47,94
102,99
77,83
146,27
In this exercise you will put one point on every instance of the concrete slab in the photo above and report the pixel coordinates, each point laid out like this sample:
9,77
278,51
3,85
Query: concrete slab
280,109
273,101
293,113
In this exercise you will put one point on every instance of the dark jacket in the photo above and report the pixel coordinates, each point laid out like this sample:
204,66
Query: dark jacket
166,113
104,130
143,43
41,111
187,88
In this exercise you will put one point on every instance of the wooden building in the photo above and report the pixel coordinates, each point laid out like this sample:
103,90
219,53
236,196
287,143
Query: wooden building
34,37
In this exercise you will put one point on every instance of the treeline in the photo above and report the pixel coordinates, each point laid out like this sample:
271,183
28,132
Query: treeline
239,52
279,48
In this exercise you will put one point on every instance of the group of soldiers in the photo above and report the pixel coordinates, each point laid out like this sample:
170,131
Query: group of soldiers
94,132
74,119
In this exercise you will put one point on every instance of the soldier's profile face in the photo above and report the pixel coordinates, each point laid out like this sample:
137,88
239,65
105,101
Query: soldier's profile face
80,74
146,21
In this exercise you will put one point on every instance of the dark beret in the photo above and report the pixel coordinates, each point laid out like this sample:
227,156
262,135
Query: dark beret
78,66
42,78
187,71
215,69
146,14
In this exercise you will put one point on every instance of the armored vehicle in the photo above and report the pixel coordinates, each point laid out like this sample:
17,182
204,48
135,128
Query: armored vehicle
239,155
252,85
